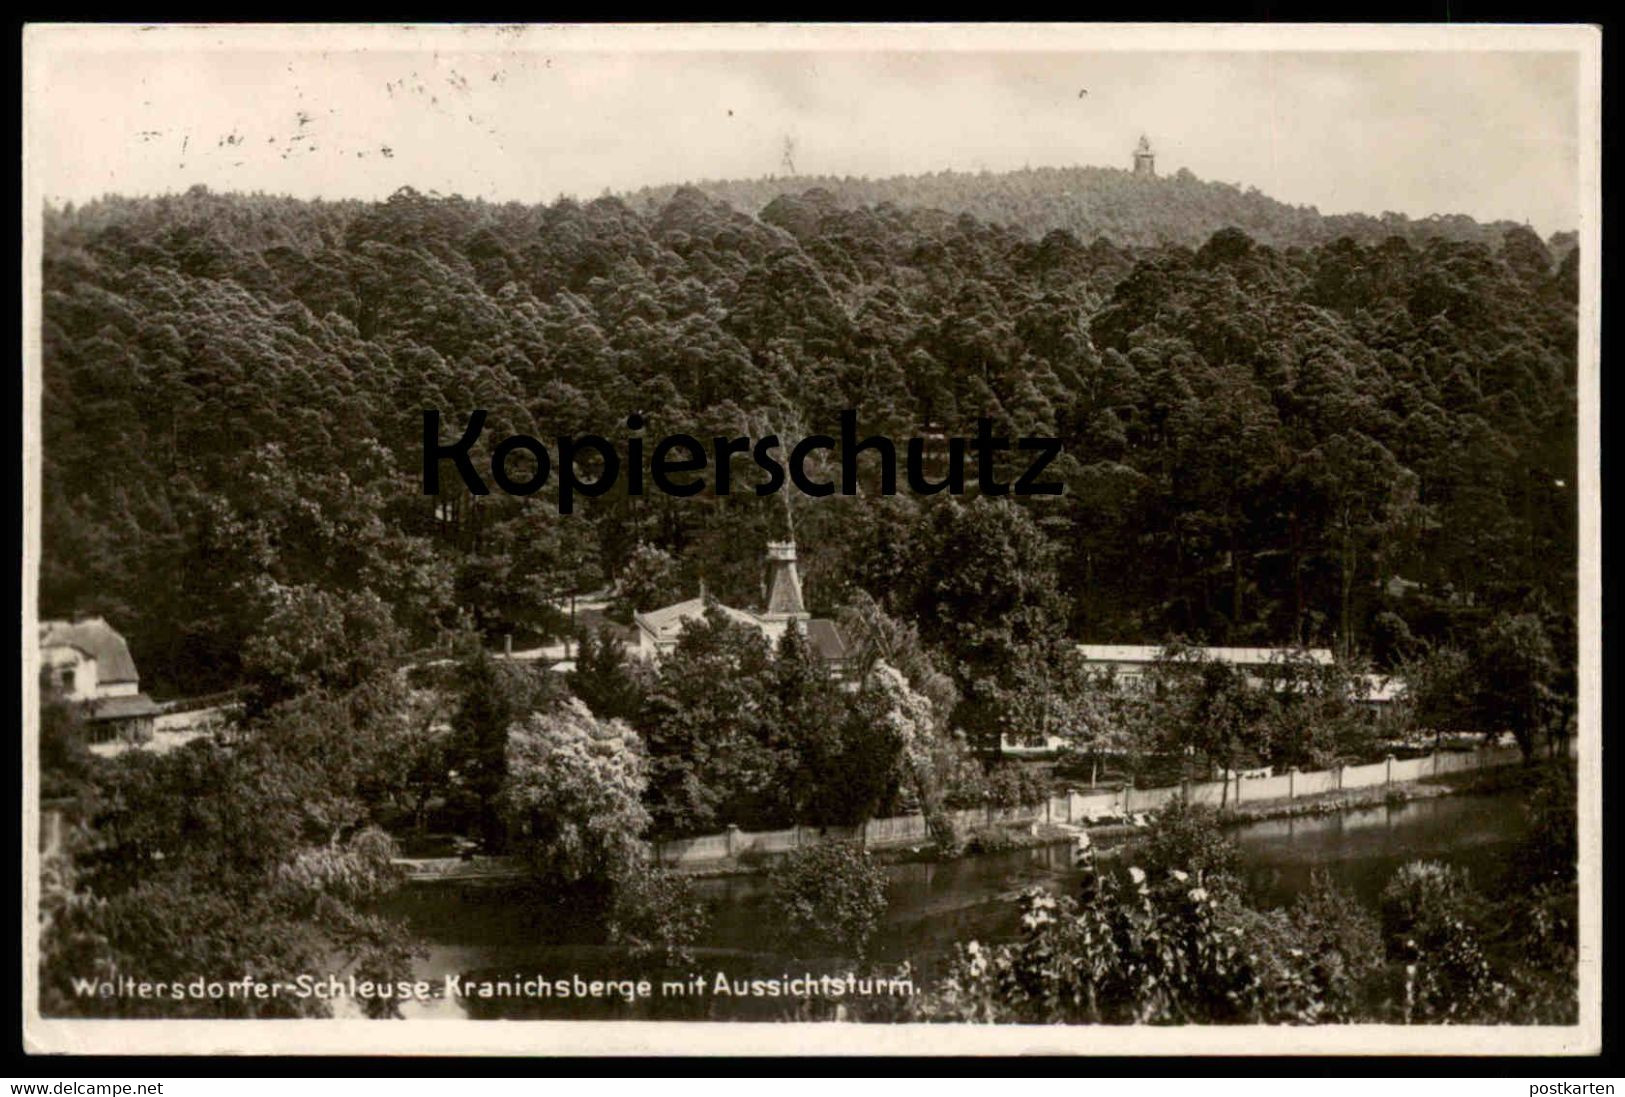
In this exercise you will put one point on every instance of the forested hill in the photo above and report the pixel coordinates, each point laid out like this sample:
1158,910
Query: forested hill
1092,201
1259,443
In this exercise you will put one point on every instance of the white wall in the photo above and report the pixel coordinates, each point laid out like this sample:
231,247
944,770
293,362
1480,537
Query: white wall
1079,807
1314,782
1265,788
59,660
1365,776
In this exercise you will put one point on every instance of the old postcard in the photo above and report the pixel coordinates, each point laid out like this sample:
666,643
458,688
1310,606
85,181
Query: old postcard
811,539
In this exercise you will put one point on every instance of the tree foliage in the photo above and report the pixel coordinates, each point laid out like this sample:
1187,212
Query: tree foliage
572,796
1284,434
256,859
830,897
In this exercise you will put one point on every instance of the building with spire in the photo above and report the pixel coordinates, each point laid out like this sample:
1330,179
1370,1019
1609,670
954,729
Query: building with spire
1145,161
658,630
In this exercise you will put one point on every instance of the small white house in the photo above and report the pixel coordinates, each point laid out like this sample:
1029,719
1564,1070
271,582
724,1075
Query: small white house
88,663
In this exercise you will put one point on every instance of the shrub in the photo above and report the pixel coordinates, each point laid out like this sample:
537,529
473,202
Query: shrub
1541,940
1539,933
992,840
1137,952
945,837
1189,838
1344,944
656,915
1429,925
1014,785
831,896
1419,894
1550,854
1280,978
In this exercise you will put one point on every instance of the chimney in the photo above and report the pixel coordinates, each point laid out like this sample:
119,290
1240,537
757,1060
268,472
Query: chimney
783,583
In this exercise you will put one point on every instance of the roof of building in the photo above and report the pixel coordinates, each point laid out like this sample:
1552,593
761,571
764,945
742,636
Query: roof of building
825,638
596,620
97,639
1244,657
666,623
1384,688
121,708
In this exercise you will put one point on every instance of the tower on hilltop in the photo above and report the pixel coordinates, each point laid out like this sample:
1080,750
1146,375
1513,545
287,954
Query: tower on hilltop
1145,161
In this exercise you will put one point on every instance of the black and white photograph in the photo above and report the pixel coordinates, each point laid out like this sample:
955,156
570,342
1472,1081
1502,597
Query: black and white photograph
888,539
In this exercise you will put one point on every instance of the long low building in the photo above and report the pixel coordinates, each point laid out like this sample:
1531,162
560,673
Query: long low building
1131,662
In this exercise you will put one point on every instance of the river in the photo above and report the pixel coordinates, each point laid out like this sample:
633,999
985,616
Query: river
932,905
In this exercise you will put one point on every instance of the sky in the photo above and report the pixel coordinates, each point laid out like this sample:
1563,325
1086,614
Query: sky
510,114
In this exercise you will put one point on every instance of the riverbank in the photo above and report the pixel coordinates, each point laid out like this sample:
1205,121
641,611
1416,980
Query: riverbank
1480,781
1109,837
934,906
1113,836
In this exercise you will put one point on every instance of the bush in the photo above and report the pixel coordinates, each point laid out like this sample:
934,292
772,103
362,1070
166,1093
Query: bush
1429,923
1137,952
1344,944
1279,981
1539,931
1550,854
945,836
992,840
656,915
830,896
1188,838
1014,785
1540,939
1419,894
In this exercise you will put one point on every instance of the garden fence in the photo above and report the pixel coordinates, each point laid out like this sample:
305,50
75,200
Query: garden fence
1097,805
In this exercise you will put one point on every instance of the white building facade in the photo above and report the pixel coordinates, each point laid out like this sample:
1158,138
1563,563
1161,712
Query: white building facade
87,662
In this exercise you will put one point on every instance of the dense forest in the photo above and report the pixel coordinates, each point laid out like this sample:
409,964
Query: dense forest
1367,443
1129,210
1370,446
